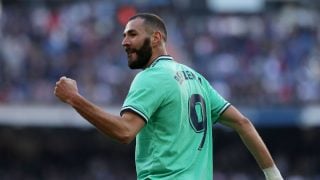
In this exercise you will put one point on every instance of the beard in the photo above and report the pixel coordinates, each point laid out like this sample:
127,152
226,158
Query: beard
143,55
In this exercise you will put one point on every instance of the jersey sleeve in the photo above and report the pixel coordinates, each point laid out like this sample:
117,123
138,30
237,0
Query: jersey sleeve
145,95
218,103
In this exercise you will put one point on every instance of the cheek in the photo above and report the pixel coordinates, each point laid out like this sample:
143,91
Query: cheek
137,44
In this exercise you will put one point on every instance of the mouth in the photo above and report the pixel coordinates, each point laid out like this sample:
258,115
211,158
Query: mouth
130,51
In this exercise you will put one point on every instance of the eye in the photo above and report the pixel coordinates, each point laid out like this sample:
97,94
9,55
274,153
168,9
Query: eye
132,34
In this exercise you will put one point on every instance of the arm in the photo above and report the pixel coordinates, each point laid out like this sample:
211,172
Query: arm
121,128
250,137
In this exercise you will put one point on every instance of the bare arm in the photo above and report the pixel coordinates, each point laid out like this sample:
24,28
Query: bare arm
121,128
250,137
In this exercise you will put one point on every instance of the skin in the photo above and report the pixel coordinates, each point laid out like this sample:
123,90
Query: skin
249,136
125,128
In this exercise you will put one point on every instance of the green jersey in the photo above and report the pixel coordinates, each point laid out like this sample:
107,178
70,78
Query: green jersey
179,107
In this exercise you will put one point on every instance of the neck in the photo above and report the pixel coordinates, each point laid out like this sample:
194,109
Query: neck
156,54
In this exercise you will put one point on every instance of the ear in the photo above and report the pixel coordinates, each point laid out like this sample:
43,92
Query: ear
156,38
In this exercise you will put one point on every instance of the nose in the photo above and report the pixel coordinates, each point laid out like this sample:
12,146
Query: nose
125,42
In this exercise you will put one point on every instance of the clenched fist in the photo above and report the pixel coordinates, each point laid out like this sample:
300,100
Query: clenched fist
66,89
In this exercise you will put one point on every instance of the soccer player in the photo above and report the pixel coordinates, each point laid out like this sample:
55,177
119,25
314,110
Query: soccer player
170,110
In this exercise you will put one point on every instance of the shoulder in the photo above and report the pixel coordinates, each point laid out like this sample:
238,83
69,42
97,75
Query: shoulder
152,77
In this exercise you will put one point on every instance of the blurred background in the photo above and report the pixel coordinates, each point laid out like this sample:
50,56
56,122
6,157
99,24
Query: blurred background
261,55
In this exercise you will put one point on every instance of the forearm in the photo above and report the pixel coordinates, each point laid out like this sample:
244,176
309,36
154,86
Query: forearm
250,137
121,128
255,145
108,124
258,149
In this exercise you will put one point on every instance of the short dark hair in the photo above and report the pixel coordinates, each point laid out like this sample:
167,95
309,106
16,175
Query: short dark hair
153,21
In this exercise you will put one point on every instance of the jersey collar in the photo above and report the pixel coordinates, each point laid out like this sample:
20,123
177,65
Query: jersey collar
160,58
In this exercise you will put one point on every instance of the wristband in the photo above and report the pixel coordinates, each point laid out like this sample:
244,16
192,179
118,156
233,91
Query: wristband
272,173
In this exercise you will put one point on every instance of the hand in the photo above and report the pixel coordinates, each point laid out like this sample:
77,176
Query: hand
66,89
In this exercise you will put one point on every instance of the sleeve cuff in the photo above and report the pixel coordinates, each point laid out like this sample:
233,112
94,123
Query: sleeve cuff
134,110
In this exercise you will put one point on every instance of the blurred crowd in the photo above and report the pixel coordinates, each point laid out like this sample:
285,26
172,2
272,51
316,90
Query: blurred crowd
85,154
265,58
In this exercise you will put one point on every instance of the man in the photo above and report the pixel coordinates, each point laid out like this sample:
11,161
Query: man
170,110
